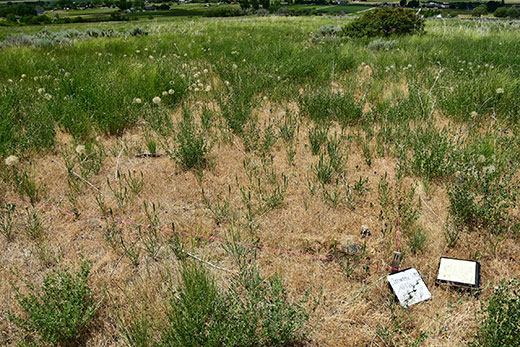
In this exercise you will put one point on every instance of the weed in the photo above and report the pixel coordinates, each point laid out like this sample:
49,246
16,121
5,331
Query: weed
6,219
34,226
324,170
131,251
127,186
221,209
317,137
417,240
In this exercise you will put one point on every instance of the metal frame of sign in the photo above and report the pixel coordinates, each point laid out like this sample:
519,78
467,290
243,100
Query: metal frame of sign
460,284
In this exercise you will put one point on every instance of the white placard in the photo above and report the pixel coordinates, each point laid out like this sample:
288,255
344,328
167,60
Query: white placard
409,287
458,271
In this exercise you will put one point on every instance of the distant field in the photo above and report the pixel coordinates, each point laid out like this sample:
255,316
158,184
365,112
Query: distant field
91,12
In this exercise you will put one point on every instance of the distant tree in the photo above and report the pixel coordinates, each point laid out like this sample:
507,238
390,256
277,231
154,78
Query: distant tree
414,4
244,4
265,3
402,3
65,4
479,11
138,4
123,4
255,4
492,6
11,17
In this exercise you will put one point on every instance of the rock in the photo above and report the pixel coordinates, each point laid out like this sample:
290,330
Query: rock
350,245
365,231
352,249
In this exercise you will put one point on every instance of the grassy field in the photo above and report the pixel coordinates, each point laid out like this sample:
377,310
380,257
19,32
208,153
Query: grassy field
264,132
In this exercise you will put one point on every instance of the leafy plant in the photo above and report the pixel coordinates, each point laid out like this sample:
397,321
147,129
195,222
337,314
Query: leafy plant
61,313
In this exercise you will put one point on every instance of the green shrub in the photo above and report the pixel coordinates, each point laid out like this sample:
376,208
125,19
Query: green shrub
500,12
479,11
501,317
61,312
385,21
513,12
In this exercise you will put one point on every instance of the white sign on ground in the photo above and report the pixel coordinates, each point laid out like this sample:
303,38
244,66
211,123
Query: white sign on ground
458,271
409,287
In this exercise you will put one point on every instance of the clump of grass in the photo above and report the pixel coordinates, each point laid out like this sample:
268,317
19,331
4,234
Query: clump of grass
61,312
317,137
324,107
193,147
417,240
6,219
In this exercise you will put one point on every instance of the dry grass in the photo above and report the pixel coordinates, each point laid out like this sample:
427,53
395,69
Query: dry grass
355,304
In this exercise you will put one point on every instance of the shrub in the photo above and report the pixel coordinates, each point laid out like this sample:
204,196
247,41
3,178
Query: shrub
328,30
385,21
500,12
255,312
61,313
429,12
501,324
282,11
479,11
513,12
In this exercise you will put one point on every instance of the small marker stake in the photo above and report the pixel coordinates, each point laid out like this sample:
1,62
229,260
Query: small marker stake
396,262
